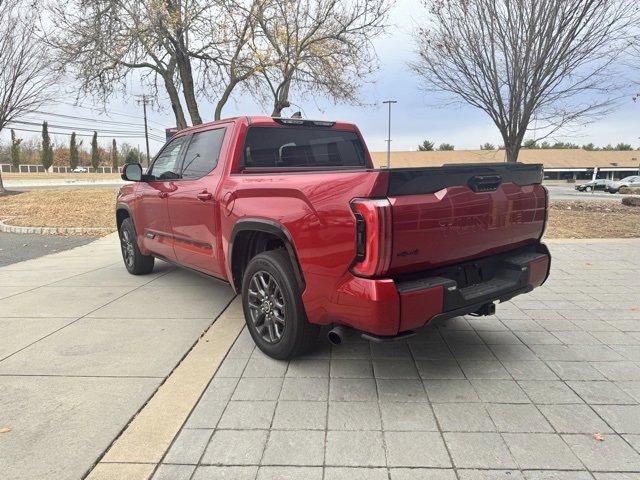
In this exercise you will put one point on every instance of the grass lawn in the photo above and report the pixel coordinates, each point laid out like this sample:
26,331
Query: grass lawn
94,207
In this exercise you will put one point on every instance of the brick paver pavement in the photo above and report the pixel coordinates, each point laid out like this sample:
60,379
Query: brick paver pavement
517,396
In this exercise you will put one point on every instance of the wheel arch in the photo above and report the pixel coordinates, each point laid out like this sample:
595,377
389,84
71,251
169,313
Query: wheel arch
122,212
243,237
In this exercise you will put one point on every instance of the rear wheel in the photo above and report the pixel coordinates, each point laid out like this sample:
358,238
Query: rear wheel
273,308
135,262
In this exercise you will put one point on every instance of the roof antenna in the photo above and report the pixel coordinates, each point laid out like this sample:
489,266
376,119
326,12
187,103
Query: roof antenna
297,115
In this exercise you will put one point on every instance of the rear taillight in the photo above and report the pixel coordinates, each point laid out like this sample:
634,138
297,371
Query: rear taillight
373,237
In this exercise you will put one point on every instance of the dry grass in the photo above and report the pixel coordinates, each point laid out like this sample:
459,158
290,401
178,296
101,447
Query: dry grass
68,207
93,207
592,219
61,176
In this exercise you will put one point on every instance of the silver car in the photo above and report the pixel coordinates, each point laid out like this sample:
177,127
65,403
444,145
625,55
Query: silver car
614,187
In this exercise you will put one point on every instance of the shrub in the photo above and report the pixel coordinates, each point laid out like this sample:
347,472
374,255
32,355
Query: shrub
115,163
631,201
95,154
46,155
630,190
426,146
73,151
15,150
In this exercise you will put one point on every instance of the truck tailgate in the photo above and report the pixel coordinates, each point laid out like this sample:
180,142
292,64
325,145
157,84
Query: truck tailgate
447,215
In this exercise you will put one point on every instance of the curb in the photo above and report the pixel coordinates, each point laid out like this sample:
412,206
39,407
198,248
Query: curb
53,230
141,446
592,240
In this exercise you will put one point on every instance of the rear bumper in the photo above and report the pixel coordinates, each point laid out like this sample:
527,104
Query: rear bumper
388,307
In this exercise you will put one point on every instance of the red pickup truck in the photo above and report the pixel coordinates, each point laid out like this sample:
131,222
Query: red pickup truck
292,213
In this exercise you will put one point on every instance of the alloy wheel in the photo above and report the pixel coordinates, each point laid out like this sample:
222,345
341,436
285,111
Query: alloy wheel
267,308
128,252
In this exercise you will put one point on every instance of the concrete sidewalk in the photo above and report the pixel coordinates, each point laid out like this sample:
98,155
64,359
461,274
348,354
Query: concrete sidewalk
83,346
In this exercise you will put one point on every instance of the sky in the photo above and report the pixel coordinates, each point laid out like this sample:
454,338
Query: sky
416,116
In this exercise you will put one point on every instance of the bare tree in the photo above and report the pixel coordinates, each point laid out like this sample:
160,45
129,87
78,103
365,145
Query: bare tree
25,80
230,59
516,59
317,46
192,49
109,42
195,49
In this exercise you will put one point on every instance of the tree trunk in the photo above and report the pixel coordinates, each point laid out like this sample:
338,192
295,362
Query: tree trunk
512,152
2,190
179,40
223,99
188,89
176,106
282,99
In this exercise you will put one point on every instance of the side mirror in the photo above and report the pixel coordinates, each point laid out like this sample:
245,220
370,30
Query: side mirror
132,172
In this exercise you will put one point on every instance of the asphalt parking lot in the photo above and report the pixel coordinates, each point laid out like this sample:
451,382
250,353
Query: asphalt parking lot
16,248
567,191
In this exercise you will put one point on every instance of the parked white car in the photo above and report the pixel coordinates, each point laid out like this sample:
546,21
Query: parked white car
80,170
632,181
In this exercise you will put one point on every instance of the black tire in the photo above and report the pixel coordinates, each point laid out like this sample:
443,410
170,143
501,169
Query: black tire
587,189
135,262
291,336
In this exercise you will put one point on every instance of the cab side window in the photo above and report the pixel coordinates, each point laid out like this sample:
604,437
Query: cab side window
167,164
202,154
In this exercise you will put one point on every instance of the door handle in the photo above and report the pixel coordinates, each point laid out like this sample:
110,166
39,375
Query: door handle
163,194
204,196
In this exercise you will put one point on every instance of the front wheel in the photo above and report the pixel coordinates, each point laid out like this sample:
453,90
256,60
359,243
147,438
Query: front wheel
588,189
135,262
273,309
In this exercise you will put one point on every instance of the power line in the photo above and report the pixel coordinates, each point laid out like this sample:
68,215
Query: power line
161,140
95,109
74,127
74,117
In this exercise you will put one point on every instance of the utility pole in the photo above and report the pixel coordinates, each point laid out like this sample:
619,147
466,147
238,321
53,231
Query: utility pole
389,102
144,99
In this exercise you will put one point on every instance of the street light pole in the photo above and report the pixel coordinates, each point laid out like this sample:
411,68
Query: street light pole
389,102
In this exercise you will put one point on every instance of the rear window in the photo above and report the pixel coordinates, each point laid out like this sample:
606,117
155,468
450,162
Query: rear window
291,147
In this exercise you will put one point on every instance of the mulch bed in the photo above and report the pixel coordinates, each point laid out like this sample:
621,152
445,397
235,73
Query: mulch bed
64,207
592,219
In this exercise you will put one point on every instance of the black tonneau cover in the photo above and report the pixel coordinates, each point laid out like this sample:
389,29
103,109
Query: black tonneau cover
478,176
